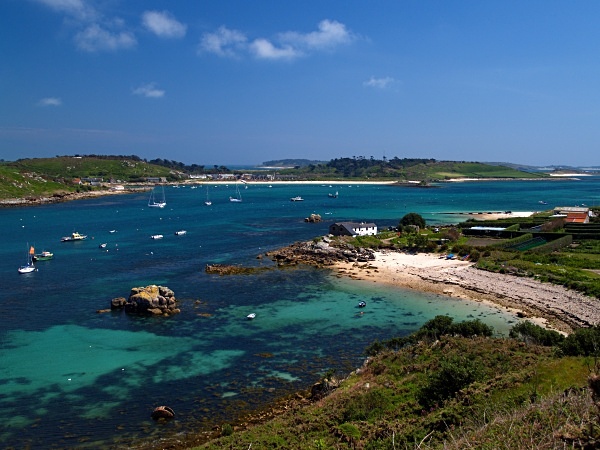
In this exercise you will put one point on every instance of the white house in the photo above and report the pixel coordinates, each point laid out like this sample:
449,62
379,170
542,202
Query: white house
353,229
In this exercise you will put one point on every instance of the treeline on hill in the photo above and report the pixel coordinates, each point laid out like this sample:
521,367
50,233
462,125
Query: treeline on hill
361,167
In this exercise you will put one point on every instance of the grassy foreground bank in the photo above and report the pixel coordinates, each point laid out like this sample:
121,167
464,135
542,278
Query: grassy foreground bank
458,390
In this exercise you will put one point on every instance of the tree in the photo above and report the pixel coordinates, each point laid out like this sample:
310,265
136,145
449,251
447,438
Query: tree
412,219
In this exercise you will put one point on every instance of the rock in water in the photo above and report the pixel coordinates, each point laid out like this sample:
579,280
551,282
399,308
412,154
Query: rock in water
149,300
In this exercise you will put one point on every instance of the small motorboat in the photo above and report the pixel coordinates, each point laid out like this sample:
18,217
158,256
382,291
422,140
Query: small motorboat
102,245
156,236
44,256
180,233
297,199
362,304
74,237
251,316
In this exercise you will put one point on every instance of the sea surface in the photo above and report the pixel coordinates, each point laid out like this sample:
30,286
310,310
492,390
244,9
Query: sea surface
74,378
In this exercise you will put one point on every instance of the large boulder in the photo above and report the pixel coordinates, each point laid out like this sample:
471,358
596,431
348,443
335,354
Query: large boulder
149,300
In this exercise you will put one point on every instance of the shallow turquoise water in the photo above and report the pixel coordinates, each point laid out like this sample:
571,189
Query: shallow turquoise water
73,378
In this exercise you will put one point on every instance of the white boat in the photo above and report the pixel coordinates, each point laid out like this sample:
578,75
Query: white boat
156,236
74,237
156,202
180,232
28,267
251,316
297,199
238,196
102,245
333,195
207,202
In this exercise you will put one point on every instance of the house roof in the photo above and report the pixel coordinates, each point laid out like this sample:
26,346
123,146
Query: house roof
356,224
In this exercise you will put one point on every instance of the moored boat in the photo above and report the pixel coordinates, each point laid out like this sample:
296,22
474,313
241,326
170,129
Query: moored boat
180,232
74,237
44,256
28,267
251,316
156,236
297,199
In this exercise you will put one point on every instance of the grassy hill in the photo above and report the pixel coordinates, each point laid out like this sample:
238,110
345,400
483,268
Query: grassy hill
440,391
68,167
17,184
46,176
442,170
406,170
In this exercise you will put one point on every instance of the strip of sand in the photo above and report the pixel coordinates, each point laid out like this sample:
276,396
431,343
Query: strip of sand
547,304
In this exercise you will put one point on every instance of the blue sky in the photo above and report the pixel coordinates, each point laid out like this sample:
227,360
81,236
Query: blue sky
242,82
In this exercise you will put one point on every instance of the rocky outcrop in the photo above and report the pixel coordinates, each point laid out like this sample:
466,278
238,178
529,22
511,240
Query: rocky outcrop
226,269
320,253
313,218
150,300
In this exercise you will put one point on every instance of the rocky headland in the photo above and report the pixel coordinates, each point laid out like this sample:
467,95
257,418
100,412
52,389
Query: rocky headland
320,253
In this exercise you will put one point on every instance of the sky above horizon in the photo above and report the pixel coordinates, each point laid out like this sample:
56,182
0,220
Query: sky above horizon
243,82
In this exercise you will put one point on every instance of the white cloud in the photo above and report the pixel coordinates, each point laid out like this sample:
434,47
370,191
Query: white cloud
288,45
149,90
95,32
266,50
379,83
330,34
224,42
50,101
163,24
79,9
95,38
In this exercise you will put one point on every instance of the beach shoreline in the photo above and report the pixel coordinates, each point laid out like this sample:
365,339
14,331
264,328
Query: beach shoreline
548,305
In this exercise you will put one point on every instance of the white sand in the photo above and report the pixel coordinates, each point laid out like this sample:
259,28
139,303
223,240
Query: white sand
546,304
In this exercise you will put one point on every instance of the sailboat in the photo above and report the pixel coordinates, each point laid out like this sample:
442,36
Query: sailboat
28,267
157,204
238,197
207,202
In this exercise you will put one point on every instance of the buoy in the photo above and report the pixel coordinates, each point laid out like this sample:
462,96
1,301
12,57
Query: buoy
163,412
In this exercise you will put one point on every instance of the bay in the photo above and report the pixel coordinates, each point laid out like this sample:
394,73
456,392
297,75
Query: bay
73,378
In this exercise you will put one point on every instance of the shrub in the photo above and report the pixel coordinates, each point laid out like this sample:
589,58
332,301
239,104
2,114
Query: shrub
454,374
529,332
583,342
412,219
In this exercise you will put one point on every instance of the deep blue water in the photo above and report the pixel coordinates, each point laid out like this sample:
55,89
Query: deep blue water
70,377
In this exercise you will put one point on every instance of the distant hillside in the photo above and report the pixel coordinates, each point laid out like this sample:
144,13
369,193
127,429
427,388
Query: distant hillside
46,176
406,169
290,163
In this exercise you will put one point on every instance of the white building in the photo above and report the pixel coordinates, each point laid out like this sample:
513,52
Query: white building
353,229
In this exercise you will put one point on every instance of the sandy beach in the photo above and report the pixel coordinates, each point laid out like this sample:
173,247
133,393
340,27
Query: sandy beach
548,305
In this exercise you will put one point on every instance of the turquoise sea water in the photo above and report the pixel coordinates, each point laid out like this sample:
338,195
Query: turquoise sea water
70,377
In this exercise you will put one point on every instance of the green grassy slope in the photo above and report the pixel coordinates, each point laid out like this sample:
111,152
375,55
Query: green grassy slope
498,393
449,169
17,184
38,177
72,167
